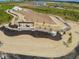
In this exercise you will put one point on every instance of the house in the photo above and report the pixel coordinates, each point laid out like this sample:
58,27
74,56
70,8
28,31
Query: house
39,3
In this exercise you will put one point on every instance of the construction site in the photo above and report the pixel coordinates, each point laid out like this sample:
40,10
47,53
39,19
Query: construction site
26,19
36,34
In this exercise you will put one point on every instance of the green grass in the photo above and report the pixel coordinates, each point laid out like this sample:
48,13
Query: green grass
4,17
4,7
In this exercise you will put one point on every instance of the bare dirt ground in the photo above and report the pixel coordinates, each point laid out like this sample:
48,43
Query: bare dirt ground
45,47
32,16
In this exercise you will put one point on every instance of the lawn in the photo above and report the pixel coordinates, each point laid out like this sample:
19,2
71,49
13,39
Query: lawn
4,17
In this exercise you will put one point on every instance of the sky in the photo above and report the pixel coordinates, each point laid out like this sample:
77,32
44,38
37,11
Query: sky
57,0
68,0
1,0
6,0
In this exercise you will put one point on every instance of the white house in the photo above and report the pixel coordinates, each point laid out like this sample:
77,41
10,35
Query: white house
39,3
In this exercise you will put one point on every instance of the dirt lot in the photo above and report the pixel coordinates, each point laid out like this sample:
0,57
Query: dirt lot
28,45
